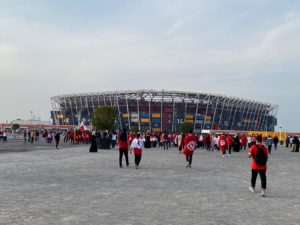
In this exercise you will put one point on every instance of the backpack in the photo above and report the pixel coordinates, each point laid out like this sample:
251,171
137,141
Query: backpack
260,157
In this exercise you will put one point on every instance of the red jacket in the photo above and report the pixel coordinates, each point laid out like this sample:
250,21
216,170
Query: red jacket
190,143
243,140
252,153
223,143
229,140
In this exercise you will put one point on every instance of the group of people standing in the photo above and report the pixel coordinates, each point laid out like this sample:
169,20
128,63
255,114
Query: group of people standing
3,136
129,144
293,142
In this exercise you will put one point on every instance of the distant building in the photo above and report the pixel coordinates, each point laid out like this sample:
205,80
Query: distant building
165,110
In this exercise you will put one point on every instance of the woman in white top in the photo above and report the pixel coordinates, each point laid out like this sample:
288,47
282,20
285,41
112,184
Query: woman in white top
136,146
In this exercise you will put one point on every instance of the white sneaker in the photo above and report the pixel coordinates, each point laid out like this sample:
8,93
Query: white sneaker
223,155
252,189
229,155
263,193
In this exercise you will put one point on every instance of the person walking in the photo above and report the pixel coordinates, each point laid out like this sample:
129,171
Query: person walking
180,142
259,155
57,138
147,140
275,141
113,140
93,147
164,140
269,143
123,148
223,145
287,141
243,142
25,136
4,136
236,143
136,146
190,144
295,144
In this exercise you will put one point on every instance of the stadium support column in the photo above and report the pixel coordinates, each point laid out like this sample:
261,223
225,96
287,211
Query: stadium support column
208,101
78,113
274,119
71,107
93,105
173,116
98,100
243,113
265,113
81,109
196,113
104,99
111,104
119,111
214,114
224,101
138,109
185,107
236,107
128,114
54,111
87,107
262,115
256,117
245,126
249,127
149,117
66,108
233,102
161,112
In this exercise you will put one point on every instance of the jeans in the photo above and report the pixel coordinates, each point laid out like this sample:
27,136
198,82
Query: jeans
113,143
263,178
166,144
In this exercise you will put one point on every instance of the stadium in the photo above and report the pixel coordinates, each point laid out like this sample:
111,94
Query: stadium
166,109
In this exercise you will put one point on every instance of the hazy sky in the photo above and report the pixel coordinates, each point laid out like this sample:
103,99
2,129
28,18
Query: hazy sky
241,48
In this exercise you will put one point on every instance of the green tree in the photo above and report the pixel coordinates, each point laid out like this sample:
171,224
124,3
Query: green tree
15,126
186,127
134,129
104,118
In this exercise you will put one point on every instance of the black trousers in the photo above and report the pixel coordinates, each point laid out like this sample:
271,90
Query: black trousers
263,178
125,152
189,158
229,149
57,142
137,159
269,148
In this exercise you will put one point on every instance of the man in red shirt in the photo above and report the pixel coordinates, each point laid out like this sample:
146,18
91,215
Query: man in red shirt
190,144
259,155
229,143
243,142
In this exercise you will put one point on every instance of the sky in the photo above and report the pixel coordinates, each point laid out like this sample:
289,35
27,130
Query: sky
242,48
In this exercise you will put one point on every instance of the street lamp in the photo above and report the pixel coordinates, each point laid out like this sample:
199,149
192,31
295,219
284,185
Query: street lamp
280,133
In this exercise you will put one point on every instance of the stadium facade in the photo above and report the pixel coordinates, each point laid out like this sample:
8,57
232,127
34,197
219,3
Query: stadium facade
165,110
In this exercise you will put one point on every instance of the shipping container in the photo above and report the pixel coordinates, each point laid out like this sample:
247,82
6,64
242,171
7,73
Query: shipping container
144,115
155,115
155,120
144,120
189,116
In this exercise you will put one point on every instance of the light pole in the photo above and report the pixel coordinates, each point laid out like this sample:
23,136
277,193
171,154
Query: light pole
280,133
